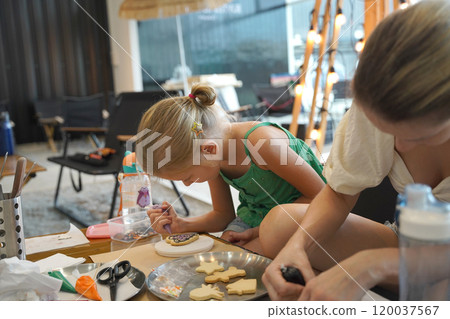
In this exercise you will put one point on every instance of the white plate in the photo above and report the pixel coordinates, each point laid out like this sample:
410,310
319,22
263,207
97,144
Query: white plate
127,287
202,244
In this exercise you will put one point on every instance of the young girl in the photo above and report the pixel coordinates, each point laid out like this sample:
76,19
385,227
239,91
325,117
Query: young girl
263,161
398,126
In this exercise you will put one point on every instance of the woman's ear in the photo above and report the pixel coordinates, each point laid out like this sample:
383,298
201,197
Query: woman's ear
209,147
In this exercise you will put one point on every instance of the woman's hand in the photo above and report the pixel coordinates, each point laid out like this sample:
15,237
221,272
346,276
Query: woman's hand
350,279
242,238
165,215
293,254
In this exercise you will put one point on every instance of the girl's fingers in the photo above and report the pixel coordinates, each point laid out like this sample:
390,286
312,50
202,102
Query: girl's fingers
158,220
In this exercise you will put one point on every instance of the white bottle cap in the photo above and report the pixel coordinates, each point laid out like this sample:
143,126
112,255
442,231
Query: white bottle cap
425,225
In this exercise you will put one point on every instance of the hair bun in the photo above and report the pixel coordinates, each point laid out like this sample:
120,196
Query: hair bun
204,94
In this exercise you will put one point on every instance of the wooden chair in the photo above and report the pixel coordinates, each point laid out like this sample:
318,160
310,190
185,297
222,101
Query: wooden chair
50,116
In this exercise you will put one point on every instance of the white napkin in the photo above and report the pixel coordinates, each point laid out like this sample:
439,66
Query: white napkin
58,261
21,280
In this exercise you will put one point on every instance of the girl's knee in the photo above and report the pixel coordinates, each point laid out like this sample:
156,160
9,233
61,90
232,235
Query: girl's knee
282,216
279,225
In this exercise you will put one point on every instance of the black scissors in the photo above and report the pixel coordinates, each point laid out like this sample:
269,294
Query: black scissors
119,271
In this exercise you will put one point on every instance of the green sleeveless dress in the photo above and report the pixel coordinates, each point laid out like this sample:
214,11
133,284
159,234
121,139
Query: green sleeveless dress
257,200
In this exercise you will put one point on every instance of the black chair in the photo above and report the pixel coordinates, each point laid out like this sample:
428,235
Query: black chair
85,111
278,100
124,120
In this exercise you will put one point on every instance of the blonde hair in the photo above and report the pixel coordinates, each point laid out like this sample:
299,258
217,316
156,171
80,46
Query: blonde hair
175,118
404,70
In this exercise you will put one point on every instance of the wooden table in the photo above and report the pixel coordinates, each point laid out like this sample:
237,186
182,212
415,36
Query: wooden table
95,246
10,167
100,246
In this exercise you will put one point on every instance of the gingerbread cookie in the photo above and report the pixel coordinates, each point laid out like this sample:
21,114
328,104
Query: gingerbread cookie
225,276
181,239
209,268
242,286
206,292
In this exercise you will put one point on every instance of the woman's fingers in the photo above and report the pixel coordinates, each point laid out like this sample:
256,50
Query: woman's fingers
277,287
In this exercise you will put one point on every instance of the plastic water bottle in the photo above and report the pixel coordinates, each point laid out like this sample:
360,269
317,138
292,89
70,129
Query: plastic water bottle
135,188
424,272
6,135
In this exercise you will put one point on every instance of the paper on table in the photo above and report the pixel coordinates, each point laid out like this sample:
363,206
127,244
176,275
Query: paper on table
58,261
73,237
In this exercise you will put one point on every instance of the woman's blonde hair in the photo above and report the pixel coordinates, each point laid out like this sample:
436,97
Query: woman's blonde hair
404,70
176,122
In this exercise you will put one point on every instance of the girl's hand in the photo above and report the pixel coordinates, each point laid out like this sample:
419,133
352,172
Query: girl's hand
293,254
165,215
242,238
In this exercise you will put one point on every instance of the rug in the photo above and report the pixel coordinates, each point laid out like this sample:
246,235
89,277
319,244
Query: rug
91,204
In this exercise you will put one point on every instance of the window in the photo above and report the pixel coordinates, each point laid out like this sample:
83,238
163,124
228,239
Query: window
245,37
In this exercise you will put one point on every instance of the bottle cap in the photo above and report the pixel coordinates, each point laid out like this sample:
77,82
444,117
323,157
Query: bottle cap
129,163
423,217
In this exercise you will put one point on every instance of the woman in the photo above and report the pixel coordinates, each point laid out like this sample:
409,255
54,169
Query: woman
399,126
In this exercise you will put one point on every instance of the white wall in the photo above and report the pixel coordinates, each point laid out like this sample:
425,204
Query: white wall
125,55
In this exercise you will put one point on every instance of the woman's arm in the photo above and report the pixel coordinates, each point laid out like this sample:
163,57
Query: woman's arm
325,215
354,276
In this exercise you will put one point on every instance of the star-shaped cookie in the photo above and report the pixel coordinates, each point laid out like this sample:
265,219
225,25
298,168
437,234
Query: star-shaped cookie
209,268
225,276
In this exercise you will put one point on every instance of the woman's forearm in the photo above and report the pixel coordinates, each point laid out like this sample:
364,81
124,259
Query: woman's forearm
381,265
326,213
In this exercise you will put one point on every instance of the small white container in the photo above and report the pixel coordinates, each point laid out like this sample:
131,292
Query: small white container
130,227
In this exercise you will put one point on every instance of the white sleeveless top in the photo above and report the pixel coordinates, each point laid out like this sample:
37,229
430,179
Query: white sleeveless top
361,156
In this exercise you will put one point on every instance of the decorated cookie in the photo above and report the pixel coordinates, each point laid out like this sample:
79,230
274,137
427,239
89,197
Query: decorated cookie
209,268
225,276
206,292
181,239
242,287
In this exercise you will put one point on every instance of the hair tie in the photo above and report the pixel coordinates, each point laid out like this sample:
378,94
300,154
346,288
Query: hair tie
197,128
192,96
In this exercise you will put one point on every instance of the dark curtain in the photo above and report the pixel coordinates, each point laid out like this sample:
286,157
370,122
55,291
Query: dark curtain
50,49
